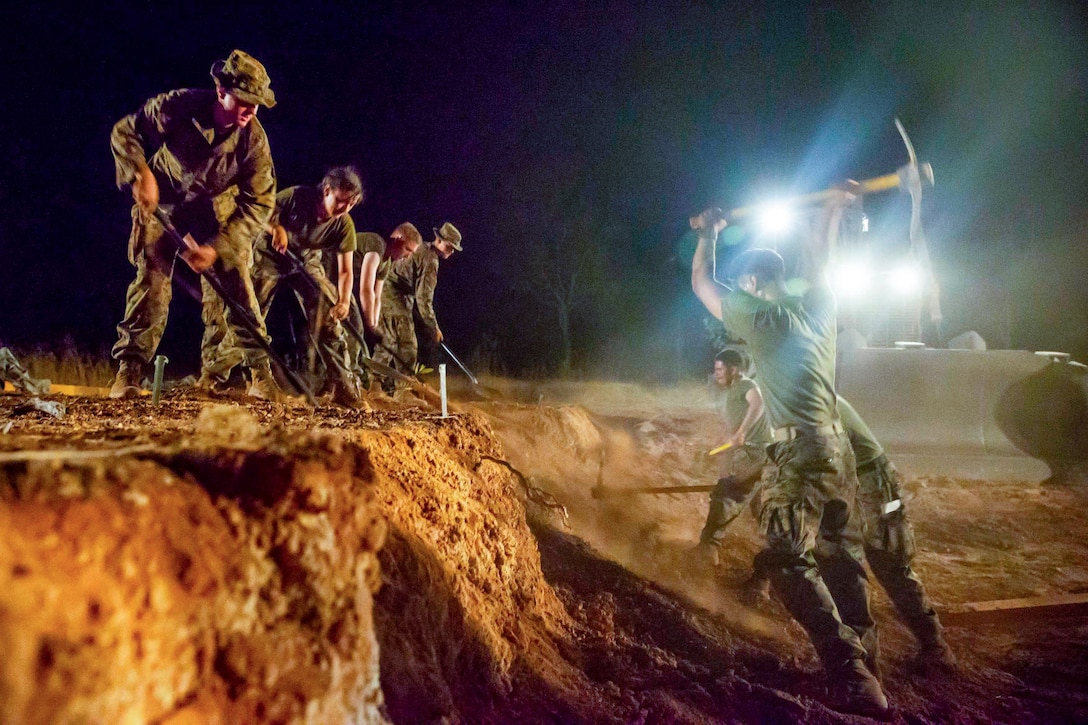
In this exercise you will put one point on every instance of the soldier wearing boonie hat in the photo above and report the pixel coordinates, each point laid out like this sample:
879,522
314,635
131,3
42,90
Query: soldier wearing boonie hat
245,78
449,234
411,286
179,151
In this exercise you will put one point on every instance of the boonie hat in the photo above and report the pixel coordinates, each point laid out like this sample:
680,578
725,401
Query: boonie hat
449,233
245,77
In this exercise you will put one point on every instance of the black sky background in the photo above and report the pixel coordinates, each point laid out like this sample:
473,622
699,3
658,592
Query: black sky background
523,123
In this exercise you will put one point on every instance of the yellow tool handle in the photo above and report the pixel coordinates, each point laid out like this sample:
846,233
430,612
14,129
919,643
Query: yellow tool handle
721,448
869,186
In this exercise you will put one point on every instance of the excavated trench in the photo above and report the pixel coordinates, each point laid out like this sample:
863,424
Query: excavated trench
208,562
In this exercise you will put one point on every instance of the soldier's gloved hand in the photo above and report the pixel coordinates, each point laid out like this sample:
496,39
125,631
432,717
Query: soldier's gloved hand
145,190
200,259
339,311
279,239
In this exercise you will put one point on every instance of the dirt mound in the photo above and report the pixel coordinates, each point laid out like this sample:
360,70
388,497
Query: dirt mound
195,562
214,583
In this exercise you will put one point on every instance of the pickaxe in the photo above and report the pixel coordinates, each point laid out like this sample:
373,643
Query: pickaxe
913,185
909,178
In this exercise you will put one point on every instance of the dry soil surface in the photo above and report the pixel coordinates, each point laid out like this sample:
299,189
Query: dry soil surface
212,560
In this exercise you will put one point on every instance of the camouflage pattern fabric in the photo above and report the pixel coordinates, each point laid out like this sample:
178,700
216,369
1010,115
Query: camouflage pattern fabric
814,545
398,347
192,164
742,472
308,237
408,295
272,272
889,548
147,303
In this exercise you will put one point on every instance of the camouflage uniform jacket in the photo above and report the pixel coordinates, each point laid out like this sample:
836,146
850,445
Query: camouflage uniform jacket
190,161
411,283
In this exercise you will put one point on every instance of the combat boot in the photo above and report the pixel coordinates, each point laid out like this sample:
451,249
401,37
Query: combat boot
262,385
346,392
935,657
858,691
127,383
210,383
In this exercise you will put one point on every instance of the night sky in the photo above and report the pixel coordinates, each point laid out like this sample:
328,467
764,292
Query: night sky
564,126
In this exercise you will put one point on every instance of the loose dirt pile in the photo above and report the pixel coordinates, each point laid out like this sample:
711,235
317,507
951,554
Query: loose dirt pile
205,561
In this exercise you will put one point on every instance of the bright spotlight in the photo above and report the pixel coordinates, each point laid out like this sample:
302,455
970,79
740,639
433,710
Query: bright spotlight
906,279
852,279
775,217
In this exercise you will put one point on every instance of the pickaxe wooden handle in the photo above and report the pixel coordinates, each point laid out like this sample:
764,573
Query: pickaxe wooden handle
602,492
906,177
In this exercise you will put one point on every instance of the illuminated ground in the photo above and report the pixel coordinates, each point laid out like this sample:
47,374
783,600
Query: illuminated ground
206,562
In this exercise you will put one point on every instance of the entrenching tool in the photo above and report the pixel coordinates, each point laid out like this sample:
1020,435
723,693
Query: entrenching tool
461,365
239,312
600,491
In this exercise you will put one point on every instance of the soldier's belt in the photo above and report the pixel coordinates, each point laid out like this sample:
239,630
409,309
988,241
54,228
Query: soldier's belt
789,432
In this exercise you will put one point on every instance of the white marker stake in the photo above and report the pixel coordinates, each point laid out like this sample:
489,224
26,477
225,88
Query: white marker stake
442,387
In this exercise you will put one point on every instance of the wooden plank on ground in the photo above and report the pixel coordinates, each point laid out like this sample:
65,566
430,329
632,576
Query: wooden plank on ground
1016,610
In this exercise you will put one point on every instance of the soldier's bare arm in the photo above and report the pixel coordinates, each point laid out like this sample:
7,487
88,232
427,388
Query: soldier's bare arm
345,278
370,289
708,225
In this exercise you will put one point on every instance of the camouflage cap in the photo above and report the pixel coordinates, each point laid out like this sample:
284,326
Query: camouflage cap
449,233
245,77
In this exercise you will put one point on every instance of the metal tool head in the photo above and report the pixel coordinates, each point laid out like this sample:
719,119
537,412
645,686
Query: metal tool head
913,177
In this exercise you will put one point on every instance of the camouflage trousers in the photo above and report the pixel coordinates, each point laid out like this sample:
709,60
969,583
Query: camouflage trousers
398,347
889,548
219,351
147,303
814,548
357,349
742,470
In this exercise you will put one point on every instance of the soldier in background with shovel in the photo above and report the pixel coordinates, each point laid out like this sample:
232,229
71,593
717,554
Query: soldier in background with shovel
740,404
179,151
408,292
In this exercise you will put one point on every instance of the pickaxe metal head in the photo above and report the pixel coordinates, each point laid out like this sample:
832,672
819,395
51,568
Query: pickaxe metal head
914,175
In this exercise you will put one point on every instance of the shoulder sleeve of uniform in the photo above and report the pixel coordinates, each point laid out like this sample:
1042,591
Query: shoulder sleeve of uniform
137,136
819,301
746,384
740,310
346,241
